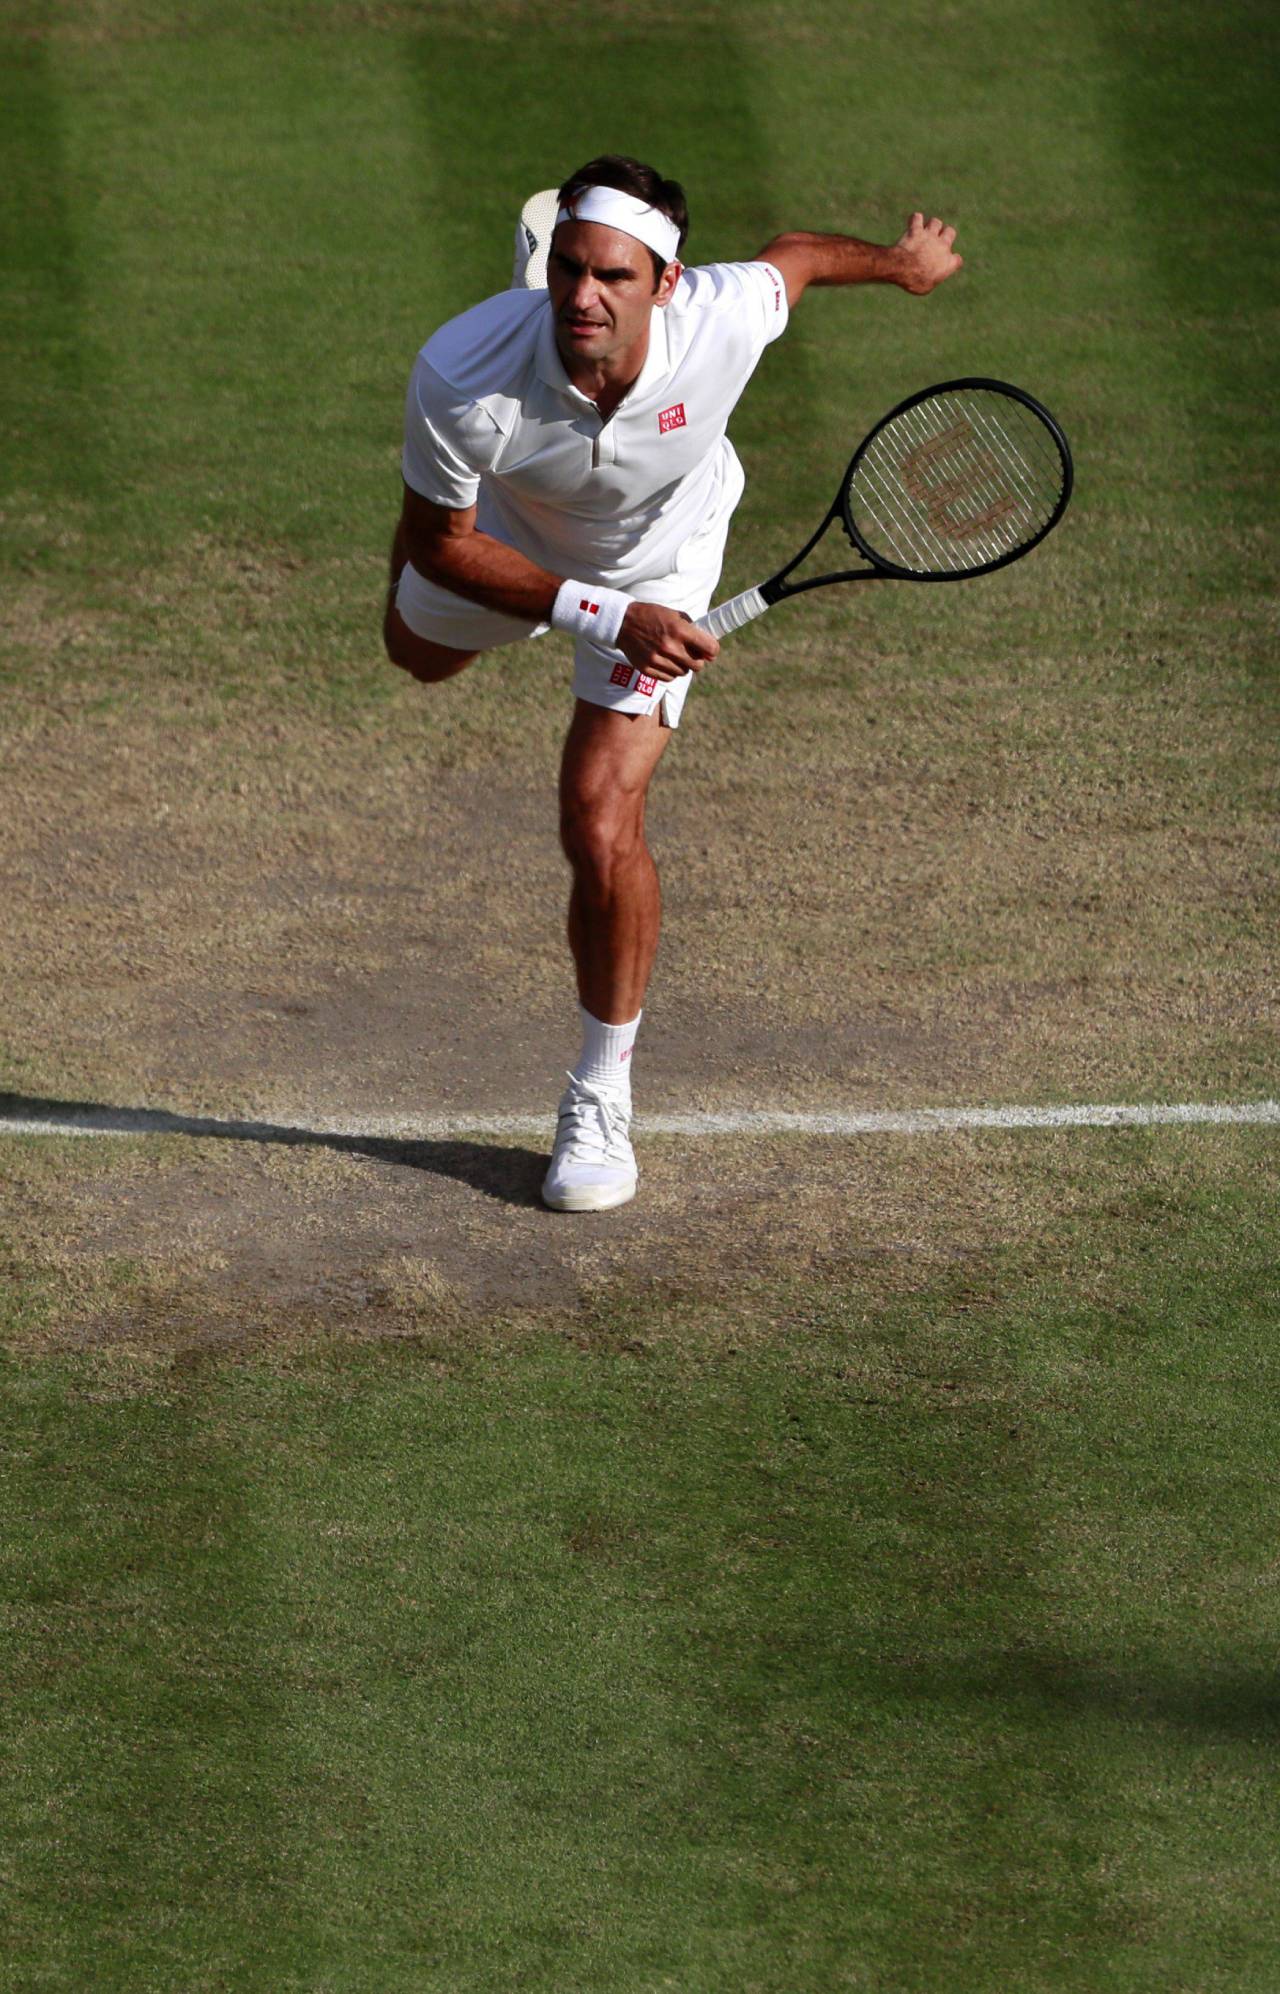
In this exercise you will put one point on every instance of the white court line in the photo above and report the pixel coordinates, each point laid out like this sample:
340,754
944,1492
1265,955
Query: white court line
743,1121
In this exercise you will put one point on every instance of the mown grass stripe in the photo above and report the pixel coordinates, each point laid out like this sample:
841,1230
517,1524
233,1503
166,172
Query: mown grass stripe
146,1761
50,407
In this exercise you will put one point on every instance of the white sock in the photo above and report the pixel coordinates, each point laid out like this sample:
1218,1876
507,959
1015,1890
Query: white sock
605,1060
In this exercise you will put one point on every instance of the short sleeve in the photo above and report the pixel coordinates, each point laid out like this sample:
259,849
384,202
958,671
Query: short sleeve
742,306
768,293
448,440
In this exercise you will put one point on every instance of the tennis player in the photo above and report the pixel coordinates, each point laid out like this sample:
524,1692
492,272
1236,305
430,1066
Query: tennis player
566,467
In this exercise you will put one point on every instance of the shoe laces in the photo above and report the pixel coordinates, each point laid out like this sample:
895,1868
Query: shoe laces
594,1121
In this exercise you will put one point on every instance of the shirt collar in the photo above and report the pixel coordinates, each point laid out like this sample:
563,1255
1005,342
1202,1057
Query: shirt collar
657,361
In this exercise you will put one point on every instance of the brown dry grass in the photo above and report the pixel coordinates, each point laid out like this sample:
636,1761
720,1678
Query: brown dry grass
165,1244
172,1243
1018,884
254,873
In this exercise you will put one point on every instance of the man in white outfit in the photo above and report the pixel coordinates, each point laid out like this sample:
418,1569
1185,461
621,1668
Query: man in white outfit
566,466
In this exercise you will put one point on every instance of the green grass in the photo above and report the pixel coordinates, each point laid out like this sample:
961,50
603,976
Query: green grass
833,1635
824,1645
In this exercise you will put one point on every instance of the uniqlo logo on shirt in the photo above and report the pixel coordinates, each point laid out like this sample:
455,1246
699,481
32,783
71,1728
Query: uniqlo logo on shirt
620,675
646,685
671,418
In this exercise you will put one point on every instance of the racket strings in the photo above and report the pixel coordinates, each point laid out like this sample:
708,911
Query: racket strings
958,497
972,491
990,497
956,482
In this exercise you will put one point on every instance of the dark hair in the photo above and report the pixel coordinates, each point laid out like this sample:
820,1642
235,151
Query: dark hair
630,177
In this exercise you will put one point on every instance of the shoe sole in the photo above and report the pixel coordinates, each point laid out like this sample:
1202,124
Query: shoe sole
591,1198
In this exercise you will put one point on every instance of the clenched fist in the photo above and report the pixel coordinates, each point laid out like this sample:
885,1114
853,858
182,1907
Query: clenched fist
663,642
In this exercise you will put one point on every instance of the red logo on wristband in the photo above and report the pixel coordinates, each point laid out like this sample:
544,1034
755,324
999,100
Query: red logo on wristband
620,675
589,608
671,418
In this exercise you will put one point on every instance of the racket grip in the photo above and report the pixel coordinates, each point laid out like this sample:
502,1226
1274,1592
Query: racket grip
729,616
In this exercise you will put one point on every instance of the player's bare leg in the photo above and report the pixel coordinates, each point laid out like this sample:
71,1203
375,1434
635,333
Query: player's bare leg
615,906
614,915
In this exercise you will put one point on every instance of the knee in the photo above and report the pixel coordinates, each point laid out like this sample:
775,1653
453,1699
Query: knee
600,835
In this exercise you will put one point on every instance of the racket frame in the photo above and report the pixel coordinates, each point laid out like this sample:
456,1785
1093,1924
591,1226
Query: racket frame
777,588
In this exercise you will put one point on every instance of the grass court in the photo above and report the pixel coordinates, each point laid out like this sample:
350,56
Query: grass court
854,1564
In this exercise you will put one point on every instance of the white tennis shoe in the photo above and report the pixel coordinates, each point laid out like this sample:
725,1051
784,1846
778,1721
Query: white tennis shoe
593,1165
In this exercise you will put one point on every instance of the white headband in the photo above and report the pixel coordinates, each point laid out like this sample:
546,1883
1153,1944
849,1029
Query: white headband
624,212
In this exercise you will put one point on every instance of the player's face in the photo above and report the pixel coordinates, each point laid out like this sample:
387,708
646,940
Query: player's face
602,292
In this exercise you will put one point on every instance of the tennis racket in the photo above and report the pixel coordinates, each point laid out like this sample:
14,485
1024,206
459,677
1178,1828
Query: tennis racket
956,481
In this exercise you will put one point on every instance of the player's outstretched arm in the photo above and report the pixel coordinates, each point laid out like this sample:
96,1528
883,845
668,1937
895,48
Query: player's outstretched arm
920,260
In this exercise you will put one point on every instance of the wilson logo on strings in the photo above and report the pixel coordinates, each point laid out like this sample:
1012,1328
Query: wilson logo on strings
959,483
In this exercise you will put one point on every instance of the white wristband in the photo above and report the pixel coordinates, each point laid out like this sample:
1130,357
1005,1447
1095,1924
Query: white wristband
587,610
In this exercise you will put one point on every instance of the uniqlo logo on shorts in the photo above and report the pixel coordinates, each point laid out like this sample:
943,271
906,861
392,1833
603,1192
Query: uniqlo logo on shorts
646,685
620,675
671,418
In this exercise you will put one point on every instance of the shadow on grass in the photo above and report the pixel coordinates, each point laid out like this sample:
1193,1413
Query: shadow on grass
1241,1702
511,1175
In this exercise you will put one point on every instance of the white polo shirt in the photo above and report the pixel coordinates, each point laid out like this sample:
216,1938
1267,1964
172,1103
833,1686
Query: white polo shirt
493,420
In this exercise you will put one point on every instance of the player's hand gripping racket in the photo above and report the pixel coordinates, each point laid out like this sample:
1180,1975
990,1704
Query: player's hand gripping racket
956,481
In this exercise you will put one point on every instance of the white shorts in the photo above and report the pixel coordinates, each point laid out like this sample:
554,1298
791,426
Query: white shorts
600,676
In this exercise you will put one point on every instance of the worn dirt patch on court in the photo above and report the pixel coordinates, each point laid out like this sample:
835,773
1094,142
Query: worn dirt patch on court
273,914
1054,880
179,1240
173,1243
